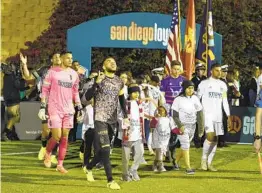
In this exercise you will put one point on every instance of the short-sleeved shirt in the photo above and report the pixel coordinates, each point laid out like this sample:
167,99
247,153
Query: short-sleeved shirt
171,87
213,92
187,108
106,99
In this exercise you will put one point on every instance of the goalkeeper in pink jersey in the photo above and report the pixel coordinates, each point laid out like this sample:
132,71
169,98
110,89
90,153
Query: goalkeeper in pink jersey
60,88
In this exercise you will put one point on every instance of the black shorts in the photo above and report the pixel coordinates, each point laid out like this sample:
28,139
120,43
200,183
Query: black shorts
101,135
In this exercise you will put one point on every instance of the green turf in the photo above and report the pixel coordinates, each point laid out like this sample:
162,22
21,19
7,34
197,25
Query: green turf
237,164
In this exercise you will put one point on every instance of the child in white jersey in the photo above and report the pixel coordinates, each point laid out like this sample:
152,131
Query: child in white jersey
162,126
187,109
133,135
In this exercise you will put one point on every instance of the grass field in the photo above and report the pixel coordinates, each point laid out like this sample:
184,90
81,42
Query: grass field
22,172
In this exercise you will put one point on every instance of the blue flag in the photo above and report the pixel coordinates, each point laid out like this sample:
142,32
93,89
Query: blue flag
206,43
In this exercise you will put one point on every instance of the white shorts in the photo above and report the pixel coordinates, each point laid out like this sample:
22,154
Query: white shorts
187,137
215,127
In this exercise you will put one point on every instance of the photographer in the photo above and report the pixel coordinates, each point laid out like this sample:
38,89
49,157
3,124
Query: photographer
13,82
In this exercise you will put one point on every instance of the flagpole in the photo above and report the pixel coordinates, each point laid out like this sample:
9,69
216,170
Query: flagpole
207,36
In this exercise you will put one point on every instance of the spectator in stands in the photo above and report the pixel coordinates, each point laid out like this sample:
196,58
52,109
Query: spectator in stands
13,82
252,93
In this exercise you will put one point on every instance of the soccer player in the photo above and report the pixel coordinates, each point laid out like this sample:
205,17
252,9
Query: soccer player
213,93
60,87
56,61
107,91
171,86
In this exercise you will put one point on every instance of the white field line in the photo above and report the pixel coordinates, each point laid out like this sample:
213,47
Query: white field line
18,153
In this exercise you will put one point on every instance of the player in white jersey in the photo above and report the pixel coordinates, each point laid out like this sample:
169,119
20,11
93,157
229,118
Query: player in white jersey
213,95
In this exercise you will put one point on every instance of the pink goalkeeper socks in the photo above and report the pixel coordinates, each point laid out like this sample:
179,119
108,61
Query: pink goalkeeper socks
62,150
51,144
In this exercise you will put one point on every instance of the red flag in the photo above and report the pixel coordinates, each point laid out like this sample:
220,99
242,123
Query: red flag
173,47
190,41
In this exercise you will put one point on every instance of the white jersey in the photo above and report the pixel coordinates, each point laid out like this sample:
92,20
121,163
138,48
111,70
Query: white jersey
187,108
88,120
157,96
213,93
161,134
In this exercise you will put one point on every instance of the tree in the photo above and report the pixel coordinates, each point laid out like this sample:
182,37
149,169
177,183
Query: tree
239,22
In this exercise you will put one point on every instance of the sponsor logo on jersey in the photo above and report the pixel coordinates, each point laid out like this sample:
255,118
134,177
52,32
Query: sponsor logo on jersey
216,95
65,84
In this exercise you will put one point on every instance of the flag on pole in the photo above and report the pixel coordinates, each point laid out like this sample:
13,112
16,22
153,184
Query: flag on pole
206,43
173,47
190,41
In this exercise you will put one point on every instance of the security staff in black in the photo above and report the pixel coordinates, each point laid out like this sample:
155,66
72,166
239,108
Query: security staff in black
13,83
199,76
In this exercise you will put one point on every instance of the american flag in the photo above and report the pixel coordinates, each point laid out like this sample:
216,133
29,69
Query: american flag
173,47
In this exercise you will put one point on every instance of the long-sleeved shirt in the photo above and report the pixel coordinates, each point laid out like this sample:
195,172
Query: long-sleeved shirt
61,88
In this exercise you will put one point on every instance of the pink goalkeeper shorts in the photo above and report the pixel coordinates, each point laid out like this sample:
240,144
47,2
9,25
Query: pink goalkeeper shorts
60,120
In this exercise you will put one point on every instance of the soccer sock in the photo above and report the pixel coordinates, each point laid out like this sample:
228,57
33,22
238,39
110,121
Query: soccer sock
179,155
54,151
44,142
187,158
207,148
62,150
82,146
51,144
212,154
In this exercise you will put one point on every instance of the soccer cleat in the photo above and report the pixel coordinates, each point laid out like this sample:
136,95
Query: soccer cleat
212,168
89,176
204,165
53,159
176,167
81,156
126,178
41,154
61,169
113,185
47,160
161,168
190,171
134,175
155,168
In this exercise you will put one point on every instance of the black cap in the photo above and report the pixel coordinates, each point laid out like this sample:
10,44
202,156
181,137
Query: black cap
186,84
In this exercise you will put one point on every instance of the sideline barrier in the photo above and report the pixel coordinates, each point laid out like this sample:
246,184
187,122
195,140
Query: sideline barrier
242,121
242,125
